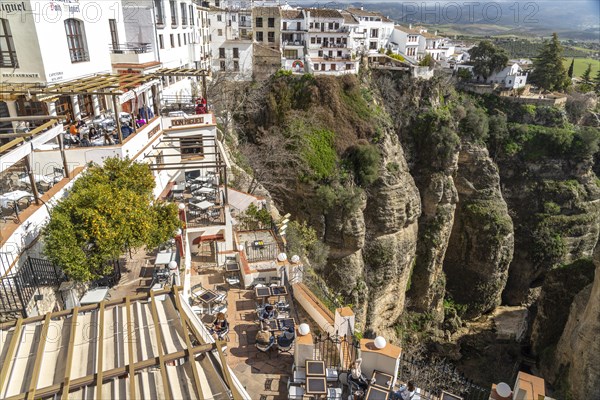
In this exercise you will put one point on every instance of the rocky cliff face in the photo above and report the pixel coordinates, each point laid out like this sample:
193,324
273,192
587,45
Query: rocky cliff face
557,205
481,244
577,357
442,218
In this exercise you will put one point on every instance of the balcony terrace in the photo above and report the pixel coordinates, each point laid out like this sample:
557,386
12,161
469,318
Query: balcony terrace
132,53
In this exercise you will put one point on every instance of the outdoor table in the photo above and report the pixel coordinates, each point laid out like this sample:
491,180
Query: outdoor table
203,178
94,296
315,368
316,385
232,267
205,190
37,178
9,197
262,293
382,380
208,297
286,323
278,290
375,393
164,258
203,205
270,325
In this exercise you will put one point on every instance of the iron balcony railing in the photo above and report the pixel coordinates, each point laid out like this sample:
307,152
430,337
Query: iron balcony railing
130,48
8,60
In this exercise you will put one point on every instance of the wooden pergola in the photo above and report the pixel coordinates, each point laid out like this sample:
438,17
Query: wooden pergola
135,362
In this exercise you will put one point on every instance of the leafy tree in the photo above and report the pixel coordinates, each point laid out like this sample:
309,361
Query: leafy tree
571,67
487,58
427,61
597,83
474,126
498,132
549,72
109,209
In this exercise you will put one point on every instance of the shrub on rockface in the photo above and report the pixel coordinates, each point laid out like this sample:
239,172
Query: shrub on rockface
364,161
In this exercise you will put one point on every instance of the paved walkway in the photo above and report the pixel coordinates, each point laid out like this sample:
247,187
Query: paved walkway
265,376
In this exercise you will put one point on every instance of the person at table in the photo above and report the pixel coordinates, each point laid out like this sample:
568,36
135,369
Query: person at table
107,138
74,131
220,327
139,121
356,379
286,338
92,133
264,338
268,312
406,392
126,130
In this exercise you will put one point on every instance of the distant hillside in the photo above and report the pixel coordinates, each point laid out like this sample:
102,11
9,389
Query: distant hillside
578,21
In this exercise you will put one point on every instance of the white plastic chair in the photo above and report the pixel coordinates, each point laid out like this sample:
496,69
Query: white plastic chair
334,393
331,374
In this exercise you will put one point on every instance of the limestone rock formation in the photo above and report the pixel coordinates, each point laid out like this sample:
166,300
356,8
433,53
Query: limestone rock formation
481,243
577,354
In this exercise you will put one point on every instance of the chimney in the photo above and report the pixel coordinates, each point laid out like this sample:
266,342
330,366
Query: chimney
409,26
362,8
435,32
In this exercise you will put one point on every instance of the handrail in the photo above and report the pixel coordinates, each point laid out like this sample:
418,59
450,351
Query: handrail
35,131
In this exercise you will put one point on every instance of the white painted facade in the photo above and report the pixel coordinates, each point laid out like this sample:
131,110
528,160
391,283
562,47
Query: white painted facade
294,33
40,40
230,32
373,28
511,77
329,43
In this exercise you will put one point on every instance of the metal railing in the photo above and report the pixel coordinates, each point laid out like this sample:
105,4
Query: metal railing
17,290
265,252
9,60
129,48
435,376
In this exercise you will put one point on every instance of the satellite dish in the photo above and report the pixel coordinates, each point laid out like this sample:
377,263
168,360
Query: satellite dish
503,390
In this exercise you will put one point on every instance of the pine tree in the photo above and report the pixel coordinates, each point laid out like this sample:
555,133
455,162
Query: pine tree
570,72
597,83
549,72
587,75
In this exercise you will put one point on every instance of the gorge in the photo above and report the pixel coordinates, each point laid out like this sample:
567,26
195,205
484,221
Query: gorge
434,207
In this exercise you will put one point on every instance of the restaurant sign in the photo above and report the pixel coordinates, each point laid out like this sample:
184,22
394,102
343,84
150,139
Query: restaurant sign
187,121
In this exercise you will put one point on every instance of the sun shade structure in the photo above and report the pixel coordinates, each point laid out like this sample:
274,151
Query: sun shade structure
101,84
142,346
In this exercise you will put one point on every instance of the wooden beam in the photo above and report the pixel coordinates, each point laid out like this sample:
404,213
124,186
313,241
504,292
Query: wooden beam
131,366
89,307
161,361
89,380
100,353
188,345
14,341
37,365
70,350
226,372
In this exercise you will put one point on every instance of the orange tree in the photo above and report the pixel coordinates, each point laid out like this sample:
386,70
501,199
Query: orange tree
109,210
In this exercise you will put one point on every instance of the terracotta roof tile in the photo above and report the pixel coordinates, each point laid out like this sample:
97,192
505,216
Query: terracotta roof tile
324,13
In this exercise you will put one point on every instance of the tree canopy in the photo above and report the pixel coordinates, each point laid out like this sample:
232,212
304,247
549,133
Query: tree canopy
109,209
487,58
549,71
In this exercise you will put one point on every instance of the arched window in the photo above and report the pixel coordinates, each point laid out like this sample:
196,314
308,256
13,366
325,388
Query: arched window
76,40
8,53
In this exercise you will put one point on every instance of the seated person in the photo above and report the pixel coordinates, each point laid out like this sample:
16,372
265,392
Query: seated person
220,327
406,392
264,338
268,312
356,379
126,130
286,338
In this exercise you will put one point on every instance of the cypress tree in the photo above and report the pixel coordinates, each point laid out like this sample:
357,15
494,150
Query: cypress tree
549,72
570,72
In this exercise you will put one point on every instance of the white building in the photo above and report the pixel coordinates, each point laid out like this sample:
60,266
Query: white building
376,29
329,43
511,77
294,33
230,36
